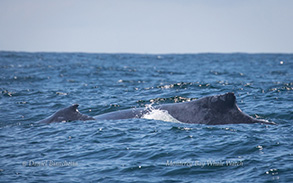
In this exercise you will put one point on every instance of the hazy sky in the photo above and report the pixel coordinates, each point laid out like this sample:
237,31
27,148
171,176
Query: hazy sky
147,26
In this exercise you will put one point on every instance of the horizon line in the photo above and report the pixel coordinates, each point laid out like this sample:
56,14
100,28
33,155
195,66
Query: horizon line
146,53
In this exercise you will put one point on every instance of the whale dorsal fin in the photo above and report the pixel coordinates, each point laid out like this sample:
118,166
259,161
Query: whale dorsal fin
223,102
74,107
230,99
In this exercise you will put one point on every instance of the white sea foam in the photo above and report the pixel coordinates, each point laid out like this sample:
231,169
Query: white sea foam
158,114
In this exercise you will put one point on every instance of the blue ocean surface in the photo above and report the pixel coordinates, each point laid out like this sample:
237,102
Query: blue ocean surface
35,85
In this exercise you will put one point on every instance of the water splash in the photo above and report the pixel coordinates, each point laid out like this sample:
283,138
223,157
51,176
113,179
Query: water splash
158,114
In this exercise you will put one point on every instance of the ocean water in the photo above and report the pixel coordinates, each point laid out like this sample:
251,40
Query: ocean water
35,85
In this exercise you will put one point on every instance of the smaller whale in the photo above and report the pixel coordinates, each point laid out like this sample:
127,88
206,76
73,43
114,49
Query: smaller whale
67,114
211,110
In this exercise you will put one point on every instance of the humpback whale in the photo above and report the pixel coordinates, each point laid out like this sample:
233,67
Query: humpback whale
210,110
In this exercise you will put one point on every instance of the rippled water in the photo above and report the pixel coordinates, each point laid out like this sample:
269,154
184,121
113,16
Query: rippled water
35,85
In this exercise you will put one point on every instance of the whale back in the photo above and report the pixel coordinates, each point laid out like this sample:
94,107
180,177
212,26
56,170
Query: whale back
223,109
211,110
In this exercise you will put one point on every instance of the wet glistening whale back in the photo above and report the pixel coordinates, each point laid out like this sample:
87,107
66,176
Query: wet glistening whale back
211,110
